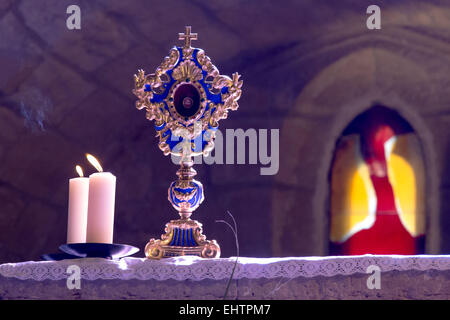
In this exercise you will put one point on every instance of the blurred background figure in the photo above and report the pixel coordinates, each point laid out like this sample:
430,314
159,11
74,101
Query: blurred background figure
377,188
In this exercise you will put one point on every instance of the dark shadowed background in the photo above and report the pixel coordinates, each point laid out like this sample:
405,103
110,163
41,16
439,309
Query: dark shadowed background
309,68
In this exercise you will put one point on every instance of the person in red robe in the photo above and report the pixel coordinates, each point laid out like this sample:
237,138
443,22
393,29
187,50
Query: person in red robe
387,235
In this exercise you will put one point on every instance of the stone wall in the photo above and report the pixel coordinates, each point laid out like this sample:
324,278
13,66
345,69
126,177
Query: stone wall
396,285
309,67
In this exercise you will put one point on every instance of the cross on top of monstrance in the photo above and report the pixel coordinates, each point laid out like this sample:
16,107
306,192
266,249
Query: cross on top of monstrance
187,36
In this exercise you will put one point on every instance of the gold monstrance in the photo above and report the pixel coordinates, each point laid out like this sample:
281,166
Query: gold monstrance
186,97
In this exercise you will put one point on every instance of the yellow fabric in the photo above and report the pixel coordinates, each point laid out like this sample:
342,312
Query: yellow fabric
407,178
353,200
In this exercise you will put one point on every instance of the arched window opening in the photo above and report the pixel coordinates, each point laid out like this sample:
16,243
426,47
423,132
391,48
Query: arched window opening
377,187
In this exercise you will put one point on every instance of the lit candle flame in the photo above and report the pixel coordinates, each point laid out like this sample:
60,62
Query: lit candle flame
79,171
94,162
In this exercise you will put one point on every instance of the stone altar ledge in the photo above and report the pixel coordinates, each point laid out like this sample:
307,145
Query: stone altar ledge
334,277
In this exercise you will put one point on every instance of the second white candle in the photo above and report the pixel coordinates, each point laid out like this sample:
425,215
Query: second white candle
100,219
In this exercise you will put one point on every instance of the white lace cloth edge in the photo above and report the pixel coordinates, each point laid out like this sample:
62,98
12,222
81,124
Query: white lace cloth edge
194,268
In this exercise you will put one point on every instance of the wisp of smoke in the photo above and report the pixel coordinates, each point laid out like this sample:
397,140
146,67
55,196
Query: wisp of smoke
34,107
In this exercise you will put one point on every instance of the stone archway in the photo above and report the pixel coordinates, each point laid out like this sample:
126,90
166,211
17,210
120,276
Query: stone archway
324,108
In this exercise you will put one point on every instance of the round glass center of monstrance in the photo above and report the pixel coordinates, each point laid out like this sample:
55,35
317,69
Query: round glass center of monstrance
186,100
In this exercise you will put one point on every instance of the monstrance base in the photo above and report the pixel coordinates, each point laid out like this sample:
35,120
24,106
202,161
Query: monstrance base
183,237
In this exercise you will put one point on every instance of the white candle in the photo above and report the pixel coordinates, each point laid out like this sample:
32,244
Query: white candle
78,209
100,219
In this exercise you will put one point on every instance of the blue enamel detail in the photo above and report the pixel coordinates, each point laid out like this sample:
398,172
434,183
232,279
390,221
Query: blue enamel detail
172,141
195,200
183,237
191,236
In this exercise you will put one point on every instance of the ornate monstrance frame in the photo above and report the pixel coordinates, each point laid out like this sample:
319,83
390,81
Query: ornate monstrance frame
186,97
